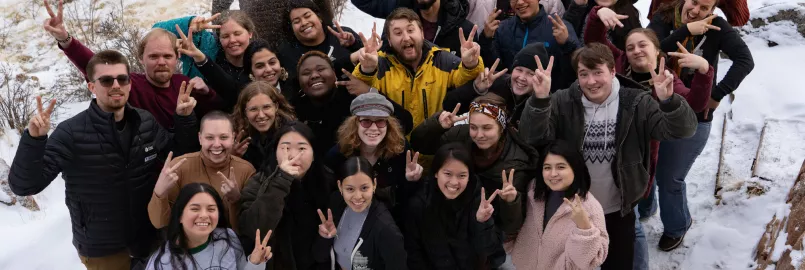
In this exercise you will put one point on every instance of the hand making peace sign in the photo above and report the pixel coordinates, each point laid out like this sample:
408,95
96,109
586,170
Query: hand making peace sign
485,209
229,187
698,28
487,77
663,82
470,51
689,60
241,144
578,214
368,56
262,251
40,122
492,23
413,171
448,119
199,23
508,193
185,103
55,24
345,38
560,32
167,177
327,227
186,46
541,81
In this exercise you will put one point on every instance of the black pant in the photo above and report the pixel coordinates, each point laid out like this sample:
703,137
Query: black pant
621,241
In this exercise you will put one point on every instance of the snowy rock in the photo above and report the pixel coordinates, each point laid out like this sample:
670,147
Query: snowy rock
778,23
7,197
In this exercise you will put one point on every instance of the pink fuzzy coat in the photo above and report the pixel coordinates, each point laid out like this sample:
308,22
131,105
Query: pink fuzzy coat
562,246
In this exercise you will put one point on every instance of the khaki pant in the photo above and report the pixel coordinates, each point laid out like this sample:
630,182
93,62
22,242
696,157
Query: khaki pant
117,261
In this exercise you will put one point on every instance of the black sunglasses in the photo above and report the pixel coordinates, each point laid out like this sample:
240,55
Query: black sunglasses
108,81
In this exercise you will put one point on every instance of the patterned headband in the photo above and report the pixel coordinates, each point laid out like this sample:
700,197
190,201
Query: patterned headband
490,110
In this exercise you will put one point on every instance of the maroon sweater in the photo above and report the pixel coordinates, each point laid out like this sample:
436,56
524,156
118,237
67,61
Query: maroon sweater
159,101
697,97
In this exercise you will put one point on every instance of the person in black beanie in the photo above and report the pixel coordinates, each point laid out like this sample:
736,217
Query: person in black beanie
513,87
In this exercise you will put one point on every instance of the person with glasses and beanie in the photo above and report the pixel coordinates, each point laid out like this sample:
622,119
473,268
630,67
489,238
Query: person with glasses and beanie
109,156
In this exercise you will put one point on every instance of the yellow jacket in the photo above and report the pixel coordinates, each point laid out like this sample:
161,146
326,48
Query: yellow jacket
421,95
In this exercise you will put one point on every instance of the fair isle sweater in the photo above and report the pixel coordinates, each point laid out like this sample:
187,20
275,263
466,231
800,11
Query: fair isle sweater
215,254
600,122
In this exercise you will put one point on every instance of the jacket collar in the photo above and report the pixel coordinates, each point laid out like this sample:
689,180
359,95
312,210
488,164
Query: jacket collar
533,22
100,117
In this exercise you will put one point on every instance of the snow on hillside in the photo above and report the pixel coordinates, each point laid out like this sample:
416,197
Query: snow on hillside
722,237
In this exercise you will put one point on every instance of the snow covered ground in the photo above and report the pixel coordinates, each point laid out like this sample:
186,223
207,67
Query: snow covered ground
722,237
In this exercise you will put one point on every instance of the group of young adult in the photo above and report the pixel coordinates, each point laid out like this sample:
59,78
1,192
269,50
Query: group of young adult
312,148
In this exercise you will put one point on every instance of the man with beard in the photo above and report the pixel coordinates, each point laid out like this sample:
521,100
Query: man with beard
414,72
214,165
157,90
109,156
440,19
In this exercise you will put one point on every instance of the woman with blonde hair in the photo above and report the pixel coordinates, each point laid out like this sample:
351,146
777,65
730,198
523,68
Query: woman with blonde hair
375,133
260,111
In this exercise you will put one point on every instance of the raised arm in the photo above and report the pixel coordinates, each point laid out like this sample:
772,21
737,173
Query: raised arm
742,62
538,121
423,138
596,30
262,201
40,159
471,63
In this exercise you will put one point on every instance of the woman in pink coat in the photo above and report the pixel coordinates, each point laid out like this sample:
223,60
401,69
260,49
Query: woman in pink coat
564,224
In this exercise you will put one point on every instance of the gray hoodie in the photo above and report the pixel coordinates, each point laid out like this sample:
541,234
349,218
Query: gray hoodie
600,121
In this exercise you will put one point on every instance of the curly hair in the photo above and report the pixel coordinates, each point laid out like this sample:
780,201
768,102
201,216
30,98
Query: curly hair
349,142
285,112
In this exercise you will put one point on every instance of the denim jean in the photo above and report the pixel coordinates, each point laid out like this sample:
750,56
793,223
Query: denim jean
640,246
675,159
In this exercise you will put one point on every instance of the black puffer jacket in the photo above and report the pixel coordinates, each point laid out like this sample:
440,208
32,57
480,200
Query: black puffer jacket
107,187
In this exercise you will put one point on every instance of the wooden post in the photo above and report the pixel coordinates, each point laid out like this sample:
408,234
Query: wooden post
720,162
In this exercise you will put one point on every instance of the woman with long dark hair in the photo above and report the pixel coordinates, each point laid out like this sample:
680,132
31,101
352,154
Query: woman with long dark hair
368,237
448,225
199,237
284,197
564,226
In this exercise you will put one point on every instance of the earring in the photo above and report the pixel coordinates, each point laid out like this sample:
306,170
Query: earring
251,77
283,74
